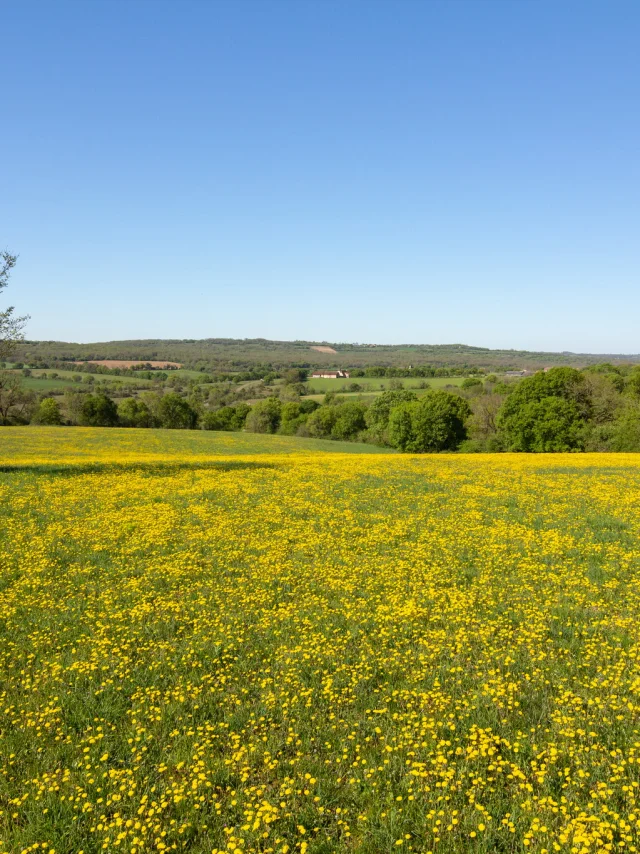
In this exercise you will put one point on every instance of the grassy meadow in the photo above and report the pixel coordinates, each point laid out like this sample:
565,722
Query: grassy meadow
379,384
240,643
39,383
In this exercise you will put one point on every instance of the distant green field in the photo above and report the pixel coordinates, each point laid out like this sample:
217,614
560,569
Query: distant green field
377,384
36,382
366,397
186,374
371,387
39,384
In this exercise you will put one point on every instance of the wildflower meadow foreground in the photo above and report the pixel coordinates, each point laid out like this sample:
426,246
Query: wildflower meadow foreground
219,643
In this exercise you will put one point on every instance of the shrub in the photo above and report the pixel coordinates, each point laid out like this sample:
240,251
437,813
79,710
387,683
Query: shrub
295,376
48,412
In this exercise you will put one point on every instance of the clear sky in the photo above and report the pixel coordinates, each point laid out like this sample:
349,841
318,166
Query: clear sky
391,172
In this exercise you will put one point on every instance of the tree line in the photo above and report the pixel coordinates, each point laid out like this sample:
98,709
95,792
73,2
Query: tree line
231,356
563,409
560,409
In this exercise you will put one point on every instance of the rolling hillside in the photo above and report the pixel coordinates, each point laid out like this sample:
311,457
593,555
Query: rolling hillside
242,354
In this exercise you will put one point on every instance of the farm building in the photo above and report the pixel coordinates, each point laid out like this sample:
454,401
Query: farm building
330,375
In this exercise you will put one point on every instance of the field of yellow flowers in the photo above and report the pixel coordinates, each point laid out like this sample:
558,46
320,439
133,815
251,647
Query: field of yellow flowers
215,643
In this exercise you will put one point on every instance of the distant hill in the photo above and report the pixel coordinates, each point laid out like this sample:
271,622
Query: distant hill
242,354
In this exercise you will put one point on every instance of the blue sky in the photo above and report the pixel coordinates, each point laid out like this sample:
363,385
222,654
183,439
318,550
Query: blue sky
429,172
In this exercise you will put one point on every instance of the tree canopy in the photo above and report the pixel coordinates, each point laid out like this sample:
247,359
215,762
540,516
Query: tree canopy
546,412
435,422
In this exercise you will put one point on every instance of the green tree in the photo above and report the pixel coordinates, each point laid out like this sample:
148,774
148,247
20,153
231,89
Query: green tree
15,402
196,399
219,419
308,406
175,413
632,384
226,418
377,416
152,400
435,422
626,429
321,422
295,375
72,405
482,424
291,418
295,414
133,412
98,410
605,370
350,420
240,416
400,429
604,395
48,412
552,424
264,416
530,401
11,327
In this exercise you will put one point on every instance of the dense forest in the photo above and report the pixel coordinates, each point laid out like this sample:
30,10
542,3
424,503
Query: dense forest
226,354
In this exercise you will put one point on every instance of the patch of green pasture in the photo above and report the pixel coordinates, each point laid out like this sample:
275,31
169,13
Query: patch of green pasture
37,382
184,374
379,384
89,443
40,384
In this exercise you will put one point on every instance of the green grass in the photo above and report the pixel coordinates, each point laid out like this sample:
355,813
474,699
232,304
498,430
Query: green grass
379,384
36,382
39,384
212,643
186,374
82,443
